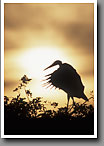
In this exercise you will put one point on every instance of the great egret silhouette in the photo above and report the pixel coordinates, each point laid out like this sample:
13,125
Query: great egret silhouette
67,79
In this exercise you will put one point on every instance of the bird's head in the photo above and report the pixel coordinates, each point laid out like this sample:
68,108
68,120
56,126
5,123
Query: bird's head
57,62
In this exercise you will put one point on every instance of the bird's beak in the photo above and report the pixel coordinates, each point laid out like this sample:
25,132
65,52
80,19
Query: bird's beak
49,66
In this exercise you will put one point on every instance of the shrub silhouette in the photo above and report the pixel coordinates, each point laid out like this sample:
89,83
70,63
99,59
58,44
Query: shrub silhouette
32,113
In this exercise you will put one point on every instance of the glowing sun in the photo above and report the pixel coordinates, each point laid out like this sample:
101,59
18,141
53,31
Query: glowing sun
34,60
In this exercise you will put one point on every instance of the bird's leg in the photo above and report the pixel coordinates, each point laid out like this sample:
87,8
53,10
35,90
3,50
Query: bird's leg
68,97
73,100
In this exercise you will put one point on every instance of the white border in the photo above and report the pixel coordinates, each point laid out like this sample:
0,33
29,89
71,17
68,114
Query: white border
95,69
48,1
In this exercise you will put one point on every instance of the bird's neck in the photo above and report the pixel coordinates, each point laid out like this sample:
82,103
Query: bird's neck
59,64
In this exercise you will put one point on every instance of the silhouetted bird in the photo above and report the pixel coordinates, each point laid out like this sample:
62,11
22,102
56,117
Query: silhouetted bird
67,79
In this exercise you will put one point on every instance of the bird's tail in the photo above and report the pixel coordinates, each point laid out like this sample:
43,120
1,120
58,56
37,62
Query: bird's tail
84,97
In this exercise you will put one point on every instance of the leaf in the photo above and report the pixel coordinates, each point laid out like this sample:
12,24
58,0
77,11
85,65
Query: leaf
15,89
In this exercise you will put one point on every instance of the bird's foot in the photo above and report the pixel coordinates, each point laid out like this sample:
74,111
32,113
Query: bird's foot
74,105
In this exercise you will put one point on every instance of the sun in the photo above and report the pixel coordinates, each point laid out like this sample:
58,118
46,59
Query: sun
34,60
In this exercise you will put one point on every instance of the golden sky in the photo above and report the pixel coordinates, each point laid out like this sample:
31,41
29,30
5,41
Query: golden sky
38,34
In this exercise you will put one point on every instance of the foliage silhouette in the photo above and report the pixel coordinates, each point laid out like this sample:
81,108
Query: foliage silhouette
30,115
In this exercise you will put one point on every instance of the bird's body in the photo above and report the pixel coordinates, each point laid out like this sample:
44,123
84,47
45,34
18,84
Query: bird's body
67,79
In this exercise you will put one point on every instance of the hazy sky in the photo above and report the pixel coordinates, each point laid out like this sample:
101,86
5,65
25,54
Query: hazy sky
37,34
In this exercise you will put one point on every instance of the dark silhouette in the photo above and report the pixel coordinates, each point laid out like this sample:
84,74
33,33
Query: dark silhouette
67,79
21,117
33,117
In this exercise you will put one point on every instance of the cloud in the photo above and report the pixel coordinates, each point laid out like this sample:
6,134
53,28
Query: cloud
77,35
10,83
67,25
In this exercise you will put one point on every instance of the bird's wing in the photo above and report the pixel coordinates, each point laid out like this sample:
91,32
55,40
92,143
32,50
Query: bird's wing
67,79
